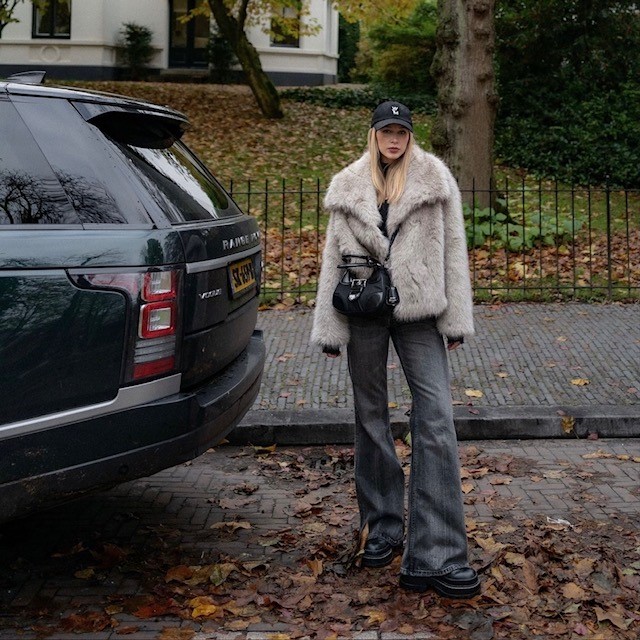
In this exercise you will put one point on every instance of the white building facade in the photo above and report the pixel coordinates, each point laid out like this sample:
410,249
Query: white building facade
77,39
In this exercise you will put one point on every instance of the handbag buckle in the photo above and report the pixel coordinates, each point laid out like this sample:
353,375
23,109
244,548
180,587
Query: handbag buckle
357,287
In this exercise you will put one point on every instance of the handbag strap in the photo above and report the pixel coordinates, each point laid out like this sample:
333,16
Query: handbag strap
368,260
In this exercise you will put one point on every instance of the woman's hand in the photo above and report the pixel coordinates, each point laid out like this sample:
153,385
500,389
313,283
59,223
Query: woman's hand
454,345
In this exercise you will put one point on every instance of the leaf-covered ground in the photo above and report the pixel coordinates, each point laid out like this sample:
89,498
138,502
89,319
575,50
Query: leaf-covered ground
265,539
313,142
238,143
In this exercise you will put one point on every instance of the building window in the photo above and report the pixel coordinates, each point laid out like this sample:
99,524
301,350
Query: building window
52,19
285,28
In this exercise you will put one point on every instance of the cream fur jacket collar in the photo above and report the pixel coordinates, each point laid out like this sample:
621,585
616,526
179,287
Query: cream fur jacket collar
428,260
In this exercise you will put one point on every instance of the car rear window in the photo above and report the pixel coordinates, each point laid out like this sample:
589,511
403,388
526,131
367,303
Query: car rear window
97,186
179,183
102,165
30,192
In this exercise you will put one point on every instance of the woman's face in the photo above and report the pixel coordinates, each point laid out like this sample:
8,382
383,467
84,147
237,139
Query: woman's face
392,141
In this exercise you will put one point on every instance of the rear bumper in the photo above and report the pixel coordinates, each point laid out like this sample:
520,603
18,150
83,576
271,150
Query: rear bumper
54,465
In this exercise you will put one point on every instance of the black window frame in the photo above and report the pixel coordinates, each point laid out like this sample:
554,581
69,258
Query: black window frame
54,6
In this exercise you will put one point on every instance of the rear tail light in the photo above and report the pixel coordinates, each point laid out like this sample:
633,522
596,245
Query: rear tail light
156,341
153,357
157,319
152,346
159,285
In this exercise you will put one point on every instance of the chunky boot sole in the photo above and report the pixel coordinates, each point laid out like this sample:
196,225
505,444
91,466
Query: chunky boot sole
442,585
378,560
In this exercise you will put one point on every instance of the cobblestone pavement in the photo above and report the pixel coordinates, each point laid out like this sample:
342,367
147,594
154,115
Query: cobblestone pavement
104,558
97,568
522,355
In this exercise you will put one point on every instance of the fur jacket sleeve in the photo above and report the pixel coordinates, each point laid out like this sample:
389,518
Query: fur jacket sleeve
428,260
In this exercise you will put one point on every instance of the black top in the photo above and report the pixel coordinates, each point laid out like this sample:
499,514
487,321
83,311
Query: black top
384,212
384,207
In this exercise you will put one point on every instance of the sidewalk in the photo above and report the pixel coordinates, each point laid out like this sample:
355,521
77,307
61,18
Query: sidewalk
531,371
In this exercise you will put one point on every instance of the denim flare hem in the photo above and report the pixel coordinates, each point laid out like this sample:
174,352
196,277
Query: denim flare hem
392,541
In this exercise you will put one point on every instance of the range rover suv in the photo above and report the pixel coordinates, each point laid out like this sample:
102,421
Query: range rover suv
129,283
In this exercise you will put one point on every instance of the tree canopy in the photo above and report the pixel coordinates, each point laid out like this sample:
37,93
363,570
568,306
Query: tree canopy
402,50
7,7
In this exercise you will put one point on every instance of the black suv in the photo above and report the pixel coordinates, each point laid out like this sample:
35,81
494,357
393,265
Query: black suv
129,284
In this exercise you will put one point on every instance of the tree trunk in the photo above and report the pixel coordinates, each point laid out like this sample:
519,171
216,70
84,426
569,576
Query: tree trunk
467,102
232,29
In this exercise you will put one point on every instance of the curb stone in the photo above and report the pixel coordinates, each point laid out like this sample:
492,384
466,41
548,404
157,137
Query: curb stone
276,635
336,426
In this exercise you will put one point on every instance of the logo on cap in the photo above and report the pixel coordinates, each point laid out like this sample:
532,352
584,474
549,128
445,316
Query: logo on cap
395,110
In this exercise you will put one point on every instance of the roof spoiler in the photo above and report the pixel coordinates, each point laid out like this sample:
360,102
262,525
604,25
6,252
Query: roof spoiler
28,77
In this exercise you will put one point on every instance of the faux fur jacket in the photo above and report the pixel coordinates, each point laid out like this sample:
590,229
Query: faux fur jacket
428,260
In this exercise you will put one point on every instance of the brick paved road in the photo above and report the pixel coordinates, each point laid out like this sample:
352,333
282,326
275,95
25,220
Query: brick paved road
522,355
98,553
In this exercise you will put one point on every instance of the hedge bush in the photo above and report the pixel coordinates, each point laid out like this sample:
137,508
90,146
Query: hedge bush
593,140
351,97
569,83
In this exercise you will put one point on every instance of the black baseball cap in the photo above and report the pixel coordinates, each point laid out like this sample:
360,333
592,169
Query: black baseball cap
390,112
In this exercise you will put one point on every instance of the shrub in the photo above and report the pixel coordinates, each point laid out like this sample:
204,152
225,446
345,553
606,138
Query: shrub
221,58
593,140
134,49
368,97
495,226
570,89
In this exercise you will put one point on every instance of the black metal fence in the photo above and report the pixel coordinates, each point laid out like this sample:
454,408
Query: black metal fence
534,241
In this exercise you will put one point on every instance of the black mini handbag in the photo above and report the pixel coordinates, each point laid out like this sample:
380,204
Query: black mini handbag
370,297
365,297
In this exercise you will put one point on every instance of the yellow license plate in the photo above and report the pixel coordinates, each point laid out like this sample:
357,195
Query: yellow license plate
242,275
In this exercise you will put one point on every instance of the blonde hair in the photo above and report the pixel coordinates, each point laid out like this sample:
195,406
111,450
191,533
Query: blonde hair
391,186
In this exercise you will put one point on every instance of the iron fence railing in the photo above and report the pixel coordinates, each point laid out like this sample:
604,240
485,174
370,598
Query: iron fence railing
527,240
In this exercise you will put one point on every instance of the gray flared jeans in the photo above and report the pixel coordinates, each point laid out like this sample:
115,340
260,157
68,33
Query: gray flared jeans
436,540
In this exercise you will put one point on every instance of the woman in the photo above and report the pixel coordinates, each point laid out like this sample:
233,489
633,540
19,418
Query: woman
398,191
